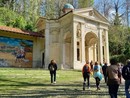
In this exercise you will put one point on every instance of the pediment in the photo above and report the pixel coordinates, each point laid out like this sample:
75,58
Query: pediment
91,14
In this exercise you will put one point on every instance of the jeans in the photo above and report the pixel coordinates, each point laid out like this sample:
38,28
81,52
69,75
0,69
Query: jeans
105,78
87,76
127,87
113,89
97,82
53,76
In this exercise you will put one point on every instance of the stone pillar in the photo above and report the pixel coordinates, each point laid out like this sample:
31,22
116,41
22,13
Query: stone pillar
87,53
94,53
47,45
107,47
74,43
98,51
100,54
34,53
61,49
83,43
105,53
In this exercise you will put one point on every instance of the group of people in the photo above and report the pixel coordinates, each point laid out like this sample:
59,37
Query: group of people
112,75
94,69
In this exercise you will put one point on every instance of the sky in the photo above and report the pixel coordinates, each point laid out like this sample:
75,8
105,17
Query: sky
112,11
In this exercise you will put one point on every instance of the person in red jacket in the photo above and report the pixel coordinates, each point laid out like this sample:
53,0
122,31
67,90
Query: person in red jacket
86,75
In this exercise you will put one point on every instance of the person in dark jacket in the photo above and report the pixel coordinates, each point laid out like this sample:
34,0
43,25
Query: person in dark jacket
104,67
126,76
52,67
114,77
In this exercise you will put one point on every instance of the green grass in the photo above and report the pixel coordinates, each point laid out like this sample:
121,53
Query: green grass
35,83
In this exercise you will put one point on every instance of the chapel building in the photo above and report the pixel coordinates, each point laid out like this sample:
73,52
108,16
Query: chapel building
79,35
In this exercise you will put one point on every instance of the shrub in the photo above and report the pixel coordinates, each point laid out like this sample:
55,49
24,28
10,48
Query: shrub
119,58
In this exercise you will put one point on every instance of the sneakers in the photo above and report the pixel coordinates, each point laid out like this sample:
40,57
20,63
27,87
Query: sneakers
53,82
83,88
98,88
88,87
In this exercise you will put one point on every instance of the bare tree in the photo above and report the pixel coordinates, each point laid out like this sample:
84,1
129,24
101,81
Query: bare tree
127,6
118,5
104,6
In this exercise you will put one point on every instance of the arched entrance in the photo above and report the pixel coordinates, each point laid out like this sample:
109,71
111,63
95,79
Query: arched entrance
91,43
67,50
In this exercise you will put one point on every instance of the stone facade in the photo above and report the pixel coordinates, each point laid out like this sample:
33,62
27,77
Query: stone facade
78,36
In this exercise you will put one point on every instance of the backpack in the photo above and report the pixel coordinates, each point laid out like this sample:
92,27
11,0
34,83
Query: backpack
86,69
96,67
52,67
126,72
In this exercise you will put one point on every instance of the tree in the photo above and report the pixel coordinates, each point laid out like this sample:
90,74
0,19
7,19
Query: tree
85,3
30,10
53,8
105,7
10,18
127,8
8,4
117,6
115,34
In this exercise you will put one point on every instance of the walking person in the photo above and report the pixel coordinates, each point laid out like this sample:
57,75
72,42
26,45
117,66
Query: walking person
114,77
104,67
91,65
120,65
86,75
97,74
52,68
126,76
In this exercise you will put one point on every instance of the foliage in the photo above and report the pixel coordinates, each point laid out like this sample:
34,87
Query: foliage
10,18
117,45
29,27
119,42
53,8
117,12
119,58
117,19
24,13
85,3
127,47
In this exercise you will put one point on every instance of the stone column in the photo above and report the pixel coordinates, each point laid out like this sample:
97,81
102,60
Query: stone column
100,47
34,53
105,55
87,53
74,44
47,45
61,48
107,47
83,43
94,53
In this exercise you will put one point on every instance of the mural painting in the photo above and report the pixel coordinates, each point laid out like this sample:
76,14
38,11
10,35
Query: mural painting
15,52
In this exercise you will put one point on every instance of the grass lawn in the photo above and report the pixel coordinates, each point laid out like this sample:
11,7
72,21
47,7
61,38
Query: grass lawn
35,83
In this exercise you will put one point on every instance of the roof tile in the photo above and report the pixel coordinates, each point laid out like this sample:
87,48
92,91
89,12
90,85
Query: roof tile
20,31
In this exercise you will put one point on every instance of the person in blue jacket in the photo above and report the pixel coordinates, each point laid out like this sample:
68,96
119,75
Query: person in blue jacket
97,74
